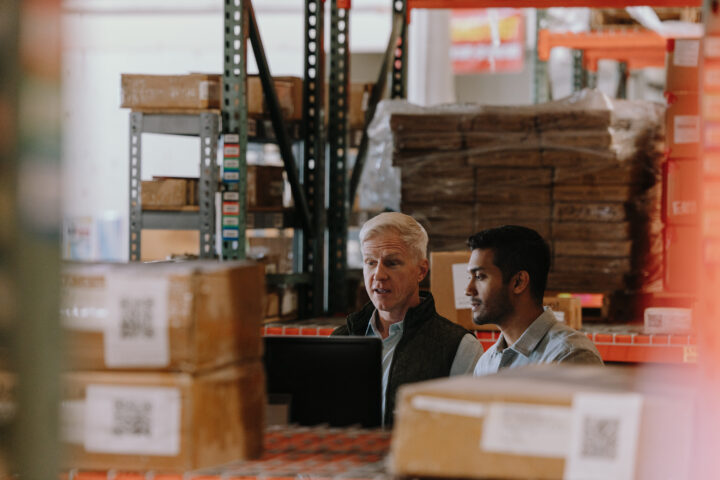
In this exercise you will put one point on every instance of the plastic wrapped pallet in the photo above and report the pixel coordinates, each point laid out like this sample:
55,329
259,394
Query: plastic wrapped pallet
185,316
166,422
583,171
547,422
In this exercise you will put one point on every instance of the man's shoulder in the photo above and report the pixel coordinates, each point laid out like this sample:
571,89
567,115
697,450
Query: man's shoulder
564,341
342,330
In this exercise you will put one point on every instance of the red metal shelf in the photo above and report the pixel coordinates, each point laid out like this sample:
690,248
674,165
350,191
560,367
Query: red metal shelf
613,347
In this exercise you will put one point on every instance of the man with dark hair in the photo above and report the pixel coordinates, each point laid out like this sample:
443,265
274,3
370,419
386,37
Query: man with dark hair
508,271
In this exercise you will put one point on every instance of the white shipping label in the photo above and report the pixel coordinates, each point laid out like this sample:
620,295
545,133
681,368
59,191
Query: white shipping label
686,53
83,307
712,47
231,138
460,281
667,320
137,331
132,420
72,421
450,406
231,176
712,77
523,429
604,439
204,90
684,207
559,316
687,129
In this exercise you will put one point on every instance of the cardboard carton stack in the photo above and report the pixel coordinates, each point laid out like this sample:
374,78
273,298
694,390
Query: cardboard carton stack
166,365
682,172
584,172
547,422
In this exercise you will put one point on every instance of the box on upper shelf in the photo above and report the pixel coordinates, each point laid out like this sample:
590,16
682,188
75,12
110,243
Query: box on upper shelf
682,63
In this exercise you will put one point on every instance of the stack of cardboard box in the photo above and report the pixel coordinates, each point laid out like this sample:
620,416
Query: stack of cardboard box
547,422
682,172
584,172
166,370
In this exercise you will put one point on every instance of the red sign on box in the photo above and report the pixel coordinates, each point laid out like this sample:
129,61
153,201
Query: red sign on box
487,40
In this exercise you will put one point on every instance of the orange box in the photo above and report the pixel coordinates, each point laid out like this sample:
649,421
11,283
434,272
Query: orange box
712,134
711,164
711,76
683,124
711,106
712,44
682,192
681,249
682,64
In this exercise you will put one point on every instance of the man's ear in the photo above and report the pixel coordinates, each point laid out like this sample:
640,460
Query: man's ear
423,266
520,282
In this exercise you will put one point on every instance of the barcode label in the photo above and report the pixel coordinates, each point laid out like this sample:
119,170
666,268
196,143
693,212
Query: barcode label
136,334
231,138
687,129
687,53
230,221
605,430
231,164
231,151
684,207
132,420
231,196
231,176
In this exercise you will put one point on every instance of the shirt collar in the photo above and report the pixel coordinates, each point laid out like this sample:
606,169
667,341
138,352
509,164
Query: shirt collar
532,335
394,328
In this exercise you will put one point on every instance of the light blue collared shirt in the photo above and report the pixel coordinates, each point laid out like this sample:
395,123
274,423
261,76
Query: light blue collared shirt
467,355
545,341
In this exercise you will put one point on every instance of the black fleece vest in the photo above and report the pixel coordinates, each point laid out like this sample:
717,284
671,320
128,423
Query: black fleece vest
425,351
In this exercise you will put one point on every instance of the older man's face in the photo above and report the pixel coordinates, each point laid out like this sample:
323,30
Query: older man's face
392,273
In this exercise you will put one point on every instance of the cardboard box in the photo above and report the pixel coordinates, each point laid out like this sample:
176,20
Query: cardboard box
170,92
167,422
547,422
289,92
359,99
682,124
667,320
567,310
681,250
711,76
682,63
168,192
166,244
711,106
265,186
448,280
682,191
166,316
712,41
276,253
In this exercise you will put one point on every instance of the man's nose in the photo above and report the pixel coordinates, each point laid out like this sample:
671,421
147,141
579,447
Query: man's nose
380,271
470,289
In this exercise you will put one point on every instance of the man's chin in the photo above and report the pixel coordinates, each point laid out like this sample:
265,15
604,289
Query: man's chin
479,321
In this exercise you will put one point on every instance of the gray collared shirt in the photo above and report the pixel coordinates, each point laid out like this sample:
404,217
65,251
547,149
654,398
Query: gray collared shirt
545,341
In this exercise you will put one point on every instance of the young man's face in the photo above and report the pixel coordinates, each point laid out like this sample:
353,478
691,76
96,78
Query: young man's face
392,273
490,296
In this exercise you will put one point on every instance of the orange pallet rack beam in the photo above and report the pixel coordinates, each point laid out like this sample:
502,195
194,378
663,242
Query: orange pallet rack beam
549,3
606,39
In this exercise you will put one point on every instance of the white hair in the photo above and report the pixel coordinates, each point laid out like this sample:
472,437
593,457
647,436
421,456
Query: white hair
410,231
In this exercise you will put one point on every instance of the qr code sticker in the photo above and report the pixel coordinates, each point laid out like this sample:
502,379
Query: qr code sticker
136,318
132,418
600,437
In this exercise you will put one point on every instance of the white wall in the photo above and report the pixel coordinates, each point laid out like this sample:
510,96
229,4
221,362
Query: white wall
105,38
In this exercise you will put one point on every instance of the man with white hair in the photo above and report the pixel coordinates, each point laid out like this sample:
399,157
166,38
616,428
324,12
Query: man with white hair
418,344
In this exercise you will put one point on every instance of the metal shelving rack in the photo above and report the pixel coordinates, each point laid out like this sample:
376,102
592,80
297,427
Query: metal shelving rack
320,247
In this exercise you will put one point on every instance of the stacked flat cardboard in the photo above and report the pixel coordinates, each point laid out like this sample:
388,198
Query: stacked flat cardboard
584,172
546,422
154,348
